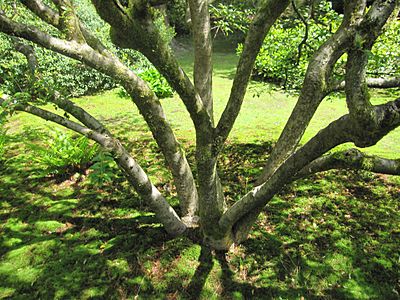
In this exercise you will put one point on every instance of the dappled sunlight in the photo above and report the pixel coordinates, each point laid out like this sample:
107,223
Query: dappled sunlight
333,235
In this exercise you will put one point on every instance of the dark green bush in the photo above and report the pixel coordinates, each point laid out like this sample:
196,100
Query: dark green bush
176,12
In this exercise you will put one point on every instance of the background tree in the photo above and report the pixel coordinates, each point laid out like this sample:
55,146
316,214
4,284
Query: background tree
135,24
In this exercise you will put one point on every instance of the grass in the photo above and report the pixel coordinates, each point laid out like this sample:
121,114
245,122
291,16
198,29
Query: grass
332,236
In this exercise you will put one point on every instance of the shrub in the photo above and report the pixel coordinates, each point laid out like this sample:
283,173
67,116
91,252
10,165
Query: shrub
385,55
157,83
104,169
63,153
231,18
176,12
284,55
281,62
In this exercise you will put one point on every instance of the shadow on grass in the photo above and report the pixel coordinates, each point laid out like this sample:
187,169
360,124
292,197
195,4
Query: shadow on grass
201,274
333,236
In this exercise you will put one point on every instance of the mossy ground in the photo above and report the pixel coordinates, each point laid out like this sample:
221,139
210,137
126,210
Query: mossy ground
335,235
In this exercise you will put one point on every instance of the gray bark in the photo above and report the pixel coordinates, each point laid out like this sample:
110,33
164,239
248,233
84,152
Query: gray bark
133,27
134,173
376,83
316,82
265,18
201,29
141,94
351,159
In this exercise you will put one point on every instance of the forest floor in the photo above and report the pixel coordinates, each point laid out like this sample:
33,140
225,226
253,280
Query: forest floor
76,235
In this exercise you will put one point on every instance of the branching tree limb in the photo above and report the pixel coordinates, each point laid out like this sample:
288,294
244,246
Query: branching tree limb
140,92
134,26
203,51
315,86
134,173
137,31
343,130
265,18
377,83
351,159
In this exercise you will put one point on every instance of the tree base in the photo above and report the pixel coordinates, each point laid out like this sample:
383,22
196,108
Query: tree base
226,243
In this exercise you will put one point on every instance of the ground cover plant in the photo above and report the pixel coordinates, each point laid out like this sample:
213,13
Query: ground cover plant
225,209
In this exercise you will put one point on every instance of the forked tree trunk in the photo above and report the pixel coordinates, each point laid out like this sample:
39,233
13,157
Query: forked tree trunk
133,26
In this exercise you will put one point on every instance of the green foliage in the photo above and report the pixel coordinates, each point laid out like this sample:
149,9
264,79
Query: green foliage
231,18
64,75
167,33
62,153
104,169
285,54
385,55
176,12
157,83
70,77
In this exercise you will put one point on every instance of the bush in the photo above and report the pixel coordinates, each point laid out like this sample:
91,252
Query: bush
385,55
280,62
176,12
157,83
104,169
63,153
231,18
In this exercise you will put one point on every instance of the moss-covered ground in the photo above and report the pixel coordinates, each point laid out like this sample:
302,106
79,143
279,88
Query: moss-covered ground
335,235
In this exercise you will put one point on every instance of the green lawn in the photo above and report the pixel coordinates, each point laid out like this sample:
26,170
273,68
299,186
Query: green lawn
262,118
335,235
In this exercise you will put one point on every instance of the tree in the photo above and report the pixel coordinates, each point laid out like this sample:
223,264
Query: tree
134,24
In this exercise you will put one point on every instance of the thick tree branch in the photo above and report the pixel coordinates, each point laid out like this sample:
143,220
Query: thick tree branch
44,12
338,132
111,12
69,22
351,159
334,134
203,51
376,83
139,91
357,95
265,18
52,17
138,32
134,173
315,87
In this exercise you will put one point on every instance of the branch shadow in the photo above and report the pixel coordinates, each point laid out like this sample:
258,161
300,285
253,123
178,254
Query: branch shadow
201,274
